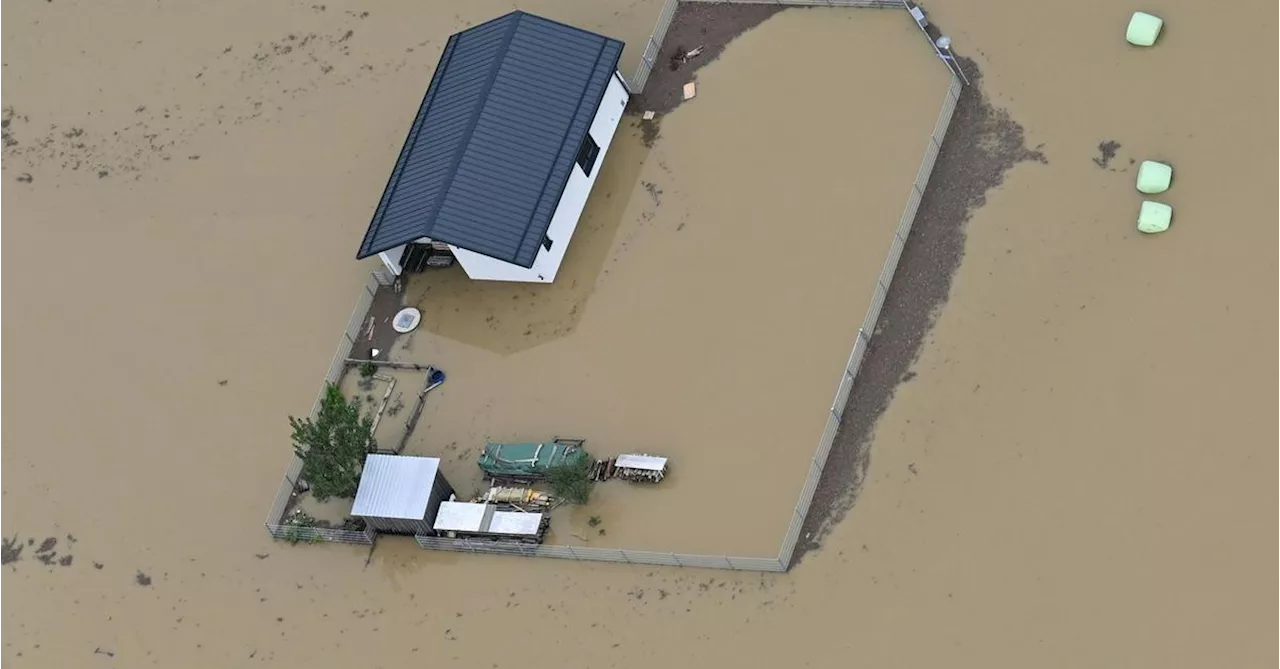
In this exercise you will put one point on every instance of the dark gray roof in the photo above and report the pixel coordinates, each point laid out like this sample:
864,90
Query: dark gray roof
498,131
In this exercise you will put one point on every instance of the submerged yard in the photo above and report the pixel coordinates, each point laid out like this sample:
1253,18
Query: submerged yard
709,298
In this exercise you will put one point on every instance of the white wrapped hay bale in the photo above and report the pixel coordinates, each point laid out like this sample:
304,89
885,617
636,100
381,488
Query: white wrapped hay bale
1154,177
1154,217
1144,29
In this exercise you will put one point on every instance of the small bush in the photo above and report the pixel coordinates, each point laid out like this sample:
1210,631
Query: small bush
571,481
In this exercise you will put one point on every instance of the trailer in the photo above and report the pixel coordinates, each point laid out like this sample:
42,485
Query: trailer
640,468
530,462
476,520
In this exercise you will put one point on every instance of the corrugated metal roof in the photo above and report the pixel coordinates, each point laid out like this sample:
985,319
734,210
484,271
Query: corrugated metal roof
641,461
395,486
498,131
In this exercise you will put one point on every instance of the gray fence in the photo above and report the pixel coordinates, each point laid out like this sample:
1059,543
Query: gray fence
315,535
869,322
649,59
275,517
870,4
651,48
280,530
843,388
593,554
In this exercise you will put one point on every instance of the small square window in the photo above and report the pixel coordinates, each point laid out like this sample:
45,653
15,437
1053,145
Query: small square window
546,242
587,154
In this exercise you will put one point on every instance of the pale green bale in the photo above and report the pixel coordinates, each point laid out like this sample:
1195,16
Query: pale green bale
1143,29
1154,177
1154,217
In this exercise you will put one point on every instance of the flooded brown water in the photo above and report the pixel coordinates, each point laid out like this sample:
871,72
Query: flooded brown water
684,308
1079,473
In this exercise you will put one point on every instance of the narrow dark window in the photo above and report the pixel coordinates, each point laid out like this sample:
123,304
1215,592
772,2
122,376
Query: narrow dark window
587,154
546,242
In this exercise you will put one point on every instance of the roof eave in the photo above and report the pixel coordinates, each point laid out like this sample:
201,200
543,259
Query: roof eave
405,149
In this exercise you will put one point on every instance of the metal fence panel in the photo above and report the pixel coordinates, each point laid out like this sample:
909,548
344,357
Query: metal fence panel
595,554
648,60
869,322
871,4
307,535
842,395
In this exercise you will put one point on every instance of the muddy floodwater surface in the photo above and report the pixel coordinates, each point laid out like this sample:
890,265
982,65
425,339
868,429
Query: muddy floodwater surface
1076,471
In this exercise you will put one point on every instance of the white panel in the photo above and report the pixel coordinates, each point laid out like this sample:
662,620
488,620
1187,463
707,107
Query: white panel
392,257
460,517
515,522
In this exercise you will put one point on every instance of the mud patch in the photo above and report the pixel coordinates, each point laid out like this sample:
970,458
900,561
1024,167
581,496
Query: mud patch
1106,151
11,551
650,131
386,302
982,144
695,25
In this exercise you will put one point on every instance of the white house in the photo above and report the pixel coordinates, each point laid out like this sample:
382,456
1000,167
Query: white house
504,150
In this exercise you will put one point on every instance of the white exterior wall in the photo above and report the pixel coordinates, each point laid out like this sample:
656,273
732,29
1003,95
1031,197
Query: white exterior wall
391,258
565,219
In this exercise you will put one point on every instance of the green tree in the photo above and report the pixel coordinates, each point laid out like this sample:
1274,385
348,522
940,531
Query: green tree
571,481
333,446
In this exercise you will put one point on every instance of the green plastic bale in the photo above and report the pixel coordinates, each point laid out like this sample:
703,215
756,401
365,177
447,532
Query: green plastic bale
1154,177
1154,217
1143,29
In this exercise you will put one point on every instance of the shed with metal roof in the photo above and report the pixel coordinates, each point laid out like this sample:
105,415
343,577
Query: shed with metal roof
400,494
503,151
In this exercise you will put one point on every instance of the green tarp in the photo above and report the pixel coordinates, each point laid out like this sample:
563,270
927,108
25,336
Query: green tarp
528,461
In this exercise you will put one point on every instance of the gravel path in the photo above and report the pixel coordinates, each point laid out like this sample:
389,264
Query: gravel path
982,144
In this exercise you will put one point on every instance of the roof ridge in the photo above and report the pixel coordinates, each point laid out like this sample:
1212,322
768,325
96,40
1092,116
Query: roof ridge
582,93
482,100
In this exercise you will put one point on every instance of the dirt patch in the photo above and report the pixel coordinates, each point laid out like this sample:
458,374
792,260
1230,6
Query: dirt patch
695,25
46,553
982,144
386,302
11,551
1106,151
